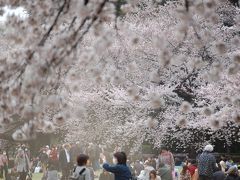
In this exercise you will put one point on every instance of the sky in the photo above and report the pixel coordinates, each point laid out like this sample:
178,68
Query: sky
20,12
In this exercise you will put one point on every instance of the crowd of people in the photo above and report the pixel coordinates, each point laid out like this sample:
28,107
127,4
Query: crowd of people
75,162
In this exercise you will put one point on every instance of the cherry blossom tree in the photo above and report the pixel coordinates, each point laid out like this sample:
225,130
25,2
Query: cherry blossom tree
78,66
163,70
46,47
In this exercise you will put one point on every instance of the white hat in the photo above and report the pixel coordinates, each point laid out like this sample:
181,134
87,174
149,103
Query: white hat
47,146
208,148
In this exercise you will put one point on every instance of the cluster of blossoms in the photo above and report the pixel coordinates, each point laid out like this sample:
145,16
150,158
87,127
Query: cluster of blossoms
164,70
124,80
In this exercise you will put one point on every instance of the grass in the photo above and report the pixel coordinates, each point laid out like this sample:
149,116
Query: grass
38,176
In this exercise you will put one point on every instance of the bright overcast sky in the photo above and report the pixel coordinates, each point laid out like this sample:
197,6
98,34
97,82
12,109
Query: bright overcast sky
20,12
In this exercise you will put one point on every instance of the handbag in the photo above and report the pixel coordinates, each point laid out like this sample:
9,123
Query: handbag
80,177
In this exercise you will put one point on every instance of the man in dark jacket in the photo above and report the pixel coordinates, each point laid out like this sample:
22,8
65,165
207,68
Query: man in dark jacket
65,162
75,150
206,164
120,169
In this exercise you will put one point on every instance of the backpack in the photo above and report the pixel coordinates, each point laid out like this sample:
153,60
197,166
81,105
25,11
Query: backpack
81,176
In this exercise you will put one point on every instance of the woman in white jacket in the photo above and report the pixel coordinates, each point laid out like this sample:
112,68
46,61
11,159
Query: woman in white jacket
81,171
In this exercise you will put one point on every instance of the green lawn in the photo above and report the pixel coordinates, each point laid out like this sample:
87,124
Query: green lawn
37,176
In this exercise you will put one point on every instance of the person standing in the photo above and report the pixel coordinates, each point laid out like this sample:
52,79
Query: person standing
22,163
1,164
120,168
89,166
166,157
223,163
65,161
165,172
5,164
206,164
74,152
44,161
48,150
138,167
53,156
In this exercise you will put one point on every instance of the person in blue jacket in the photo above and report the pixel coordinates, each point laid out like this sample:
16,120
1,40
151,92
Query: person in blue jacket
120,169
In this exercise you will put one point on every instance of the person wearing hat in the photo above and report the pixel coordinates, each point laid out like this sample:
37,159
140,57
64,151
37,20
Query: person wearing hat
232,173
206,163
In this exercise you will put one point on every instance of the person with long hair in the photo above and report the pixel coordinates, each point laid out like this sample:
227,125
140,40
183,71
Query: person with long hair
153,175
185,174
120,169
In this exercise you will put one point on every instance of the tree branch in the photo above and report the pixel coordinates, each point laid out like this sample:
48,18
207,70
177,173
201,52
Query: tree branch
43,40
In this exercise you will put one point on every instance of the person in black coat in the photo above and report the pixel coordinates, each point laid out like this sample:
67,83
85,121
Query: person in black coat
65,162
120,169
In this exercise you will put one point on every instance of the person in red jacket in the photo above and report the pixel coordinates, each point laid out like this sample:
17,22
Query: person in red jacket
192,166
53,154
